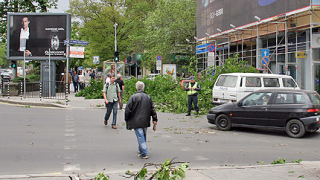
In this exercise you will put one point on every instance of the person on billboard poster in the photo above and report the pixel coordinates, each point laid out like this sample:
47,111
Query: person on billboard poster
22,39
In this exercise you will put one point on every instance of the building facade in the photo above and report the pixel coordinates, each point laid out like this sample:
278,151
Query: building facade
275,36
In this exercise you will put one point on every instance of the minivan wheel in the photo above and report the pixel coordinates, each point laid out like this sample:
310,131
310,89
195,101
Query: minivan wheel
295,128
223,122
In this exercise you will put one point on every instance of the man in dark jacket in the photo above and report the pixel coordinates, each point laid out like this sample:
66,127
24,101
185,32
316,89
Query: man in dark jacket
137,115
23,39
121,85
192,89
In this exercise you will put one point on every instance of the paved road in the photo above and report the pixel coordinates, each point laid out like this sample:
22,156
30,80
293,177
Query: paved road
50,140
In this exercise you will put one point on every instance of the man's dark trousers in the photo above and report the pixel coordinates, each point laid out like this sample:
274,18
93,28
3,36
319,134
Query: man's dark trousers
194,99
112,106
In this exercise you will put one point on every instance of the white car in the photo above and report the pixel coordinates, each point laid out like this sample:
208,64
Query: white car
5,76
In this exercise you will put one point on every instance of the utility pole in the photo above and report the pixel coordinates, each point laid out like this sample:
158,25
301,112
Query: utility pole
115,47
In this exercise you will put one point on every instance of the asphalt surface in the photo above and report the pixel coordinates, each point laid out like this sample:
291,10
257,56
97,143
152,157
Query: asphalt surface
303,170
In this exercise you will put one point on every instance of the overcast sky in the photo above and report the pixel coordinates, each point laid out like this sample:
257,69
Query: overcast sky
63,5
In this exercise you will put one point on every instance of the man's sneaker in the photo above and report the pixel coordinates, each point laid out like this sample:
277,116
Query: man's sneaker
105,122
188,114
143,157
114,127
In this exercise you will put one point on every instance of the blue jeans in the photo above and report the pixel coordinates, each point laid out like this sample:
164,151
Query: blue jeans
141,134
75,85
112,106
193,99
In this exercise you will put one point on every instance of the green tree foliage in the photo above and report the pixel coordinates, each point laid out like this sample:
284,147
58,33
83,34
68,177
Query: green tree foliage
234,65
150,27
98,19
21,6
165,171
136,13
3,56
167,29
93,91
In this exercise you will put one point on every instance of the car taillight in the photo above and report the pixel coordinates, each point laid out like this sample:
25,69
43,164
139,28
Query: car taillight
233,100
215,99
313,110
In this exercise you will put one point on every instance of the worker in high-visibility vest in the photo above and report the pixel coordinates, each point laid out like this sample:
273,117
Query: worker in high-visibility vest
192,89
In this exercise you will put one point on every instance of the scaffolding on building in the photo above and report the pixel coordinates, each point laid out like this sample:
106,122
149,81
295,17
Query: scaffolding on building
285,36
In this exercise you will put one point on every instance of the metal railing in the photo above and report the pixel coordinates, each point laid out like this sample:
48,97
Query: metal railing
46,89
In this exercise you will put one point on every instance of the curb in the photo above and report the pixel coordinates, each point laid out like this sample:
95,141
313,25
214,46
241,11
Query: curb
32,103
191,173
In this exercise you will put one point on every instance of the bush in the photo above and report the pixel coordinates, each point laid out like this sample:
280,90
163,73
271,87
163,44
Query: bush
167,94
94,91
29,78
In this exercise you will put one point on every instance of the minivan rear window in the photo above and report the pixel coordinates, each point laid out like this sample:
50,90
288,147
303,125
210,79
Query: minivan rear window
314,97
227,81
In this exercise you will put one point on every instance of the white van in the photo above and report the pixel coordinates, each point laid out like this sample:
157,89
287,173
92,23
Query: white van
232,87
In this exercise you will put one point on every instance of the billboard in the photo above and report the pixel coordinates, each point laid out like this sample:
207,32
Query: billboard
213,14
35,34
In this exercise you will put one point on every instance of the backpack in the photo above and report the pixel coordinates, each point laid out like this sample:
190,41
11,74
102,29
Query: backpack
116,85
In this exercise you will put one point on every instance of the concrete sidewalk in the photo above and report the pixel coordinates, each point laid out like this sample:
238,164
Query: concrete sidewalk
309,170
73,102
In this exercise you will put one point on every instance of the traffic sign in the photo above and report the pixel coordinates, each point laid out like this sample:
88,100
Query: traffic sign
76,42
159,57
211,48
265,61
211,59
265,52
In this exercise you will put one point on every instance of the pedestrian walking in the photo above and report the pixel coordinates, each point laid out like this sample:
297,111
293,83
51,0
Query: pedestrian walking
92,74
120,82
111,95
192,89
108,78
64,81
75,80
138,111
182,75
81,80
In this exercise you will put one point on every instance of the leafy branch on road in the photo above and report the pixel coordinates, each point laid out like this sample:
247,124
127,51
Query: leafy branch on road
164,171
283,161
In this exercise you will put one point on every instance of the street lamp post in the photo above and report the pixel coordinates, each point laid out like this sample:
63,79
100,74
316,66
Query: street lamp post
115,46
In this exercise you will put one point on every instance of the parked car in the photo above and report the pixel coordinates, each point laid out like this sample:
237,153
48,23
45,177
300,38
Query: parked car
5,76
296,111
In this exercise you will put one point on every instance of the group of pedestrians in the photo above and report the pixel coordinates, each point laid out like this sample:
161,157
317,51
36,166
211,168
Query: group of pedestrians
77,79
139,108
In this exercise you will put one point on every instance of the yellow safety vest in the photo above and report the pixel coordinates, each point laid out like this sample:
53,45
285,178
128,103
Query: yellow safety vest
191,91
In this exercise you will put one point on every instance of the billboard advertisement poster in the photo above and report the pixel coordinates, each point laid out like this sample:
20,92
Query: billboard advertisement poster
35,34
76,52
96,60
170,69
213,14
